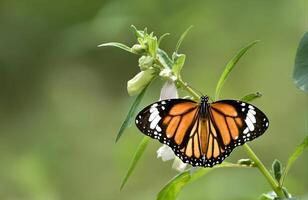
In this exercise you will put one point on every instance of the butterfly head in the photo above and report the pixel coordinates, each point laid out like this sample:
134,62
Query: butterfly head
204,99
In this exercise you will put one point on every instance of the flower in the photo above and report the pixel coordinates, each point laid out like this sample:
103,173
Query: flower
167,73
140,81
145,62
178,164
165,153
169,91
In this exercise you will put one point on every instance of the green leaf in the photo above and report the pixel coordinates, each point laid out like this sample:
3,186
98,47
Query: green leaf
300,73
152,45
118,45
164,59
182,38
298,151
179,60
172,189
175,185
251,97
286,193
246,161
138,34
162,37
139,152
131,113
277,169
230,65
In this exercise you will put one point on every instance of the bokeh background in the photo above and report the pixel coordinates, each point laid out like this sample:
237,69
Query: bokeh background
62,99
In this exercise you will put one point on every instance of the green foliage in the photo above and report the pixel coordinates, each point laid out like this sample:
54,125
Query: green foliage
300,73
162,37
139,152
277,169
182,38
172,189
131,114
118,45
138,33
155,62
251,97
179,60
148,42
246,161
287,194
164,59
230,65
298,151
256,161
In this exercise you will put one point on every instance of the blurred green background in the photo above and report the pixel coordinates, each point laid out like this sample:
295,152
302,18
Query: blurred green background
62,99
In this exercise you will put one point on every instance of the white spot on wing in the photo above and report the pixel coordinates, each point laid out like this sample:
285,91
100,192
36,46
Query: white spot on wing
251,117
154,105
252,111
153,115
155,122
249,124
245,130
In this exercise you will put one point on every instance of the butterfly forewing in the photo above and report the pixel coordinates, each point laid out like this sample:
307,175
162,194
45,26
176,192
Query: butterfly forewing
168,120
198,139
237,122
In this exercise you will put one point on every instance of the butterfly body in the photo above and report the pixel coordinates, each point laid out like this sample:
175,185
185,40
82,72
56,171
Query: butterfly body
202,133
203,106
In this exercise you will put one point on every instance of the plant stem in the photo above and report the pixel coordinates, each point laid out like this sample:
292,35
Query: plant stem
185,86
274,184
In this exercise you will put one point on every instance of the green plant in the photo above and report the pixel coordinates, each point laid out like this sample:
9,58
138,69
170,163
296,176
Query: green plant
155,62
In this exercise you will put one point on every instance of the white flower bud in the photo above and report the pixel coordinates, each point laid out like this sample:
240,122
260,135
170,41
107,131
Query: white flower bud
165,153
178,165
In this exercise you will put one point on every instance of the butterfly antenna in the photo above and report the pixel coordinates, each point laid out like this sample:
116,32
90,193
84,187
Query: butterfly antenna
198,91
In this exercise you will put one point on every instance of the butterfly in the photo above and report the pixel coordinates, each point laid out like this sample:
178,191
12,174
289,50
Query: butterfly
202,133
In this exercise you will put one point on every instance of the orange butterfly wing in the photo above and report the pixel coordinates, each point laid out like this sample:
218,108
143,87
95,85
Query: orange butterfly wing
237,122
168,120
